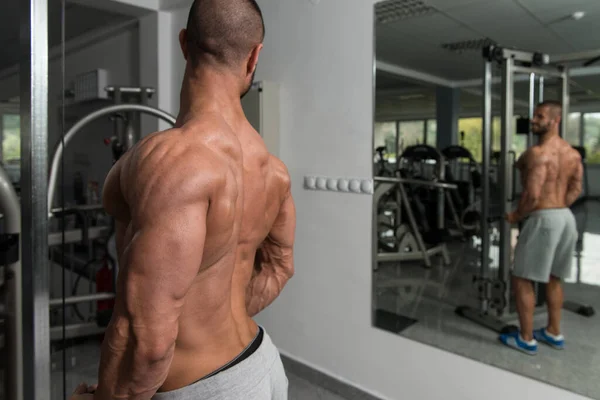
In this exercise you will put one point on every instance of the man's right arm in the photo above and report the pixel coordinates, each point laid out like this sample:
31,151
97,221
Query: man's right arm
274,262
575,185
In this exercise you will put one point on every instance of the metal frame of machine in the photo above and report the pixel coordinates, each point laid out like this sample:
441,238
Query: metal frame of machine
494,291
420,250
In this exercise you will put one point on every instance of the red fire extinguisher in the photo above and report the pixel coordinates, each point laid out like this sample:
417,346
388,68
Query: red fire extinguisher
105,284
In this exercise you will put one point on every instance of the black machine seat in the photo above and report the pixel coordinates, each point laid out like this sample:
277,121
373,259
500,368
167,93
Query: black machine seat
457,152
581,151
421,152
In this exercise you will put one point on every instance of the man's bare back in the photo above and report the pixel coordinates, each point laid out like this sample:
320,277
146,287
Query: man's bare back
552,169
170,179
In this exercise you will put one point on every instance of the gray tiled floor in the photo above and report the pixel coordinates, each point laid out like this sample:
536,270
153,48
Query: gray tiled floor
86,365
431,296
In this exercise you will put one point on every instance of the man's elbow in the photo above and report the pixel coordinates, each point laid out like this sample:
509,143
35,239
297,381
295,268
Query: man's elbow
289,269
155,344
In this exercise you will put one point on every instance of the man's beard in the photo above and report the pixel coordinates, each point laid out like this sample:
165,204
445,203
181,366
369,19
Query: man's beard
245,92
540,130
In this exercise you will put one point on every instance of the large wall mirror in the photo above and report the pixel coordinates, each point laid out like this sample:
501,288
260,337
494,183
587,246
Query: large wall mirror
483,108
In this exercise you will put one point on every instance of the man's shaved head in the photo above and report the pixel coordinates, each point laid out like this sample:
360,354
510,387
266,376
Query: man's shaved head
553,106
547,117
223,32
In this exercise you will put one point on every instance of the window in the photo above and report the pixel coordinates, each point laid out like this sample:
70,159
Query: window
572,135
385,136
591,132
431,137
473,136
410,133
11,138
10,130
470,135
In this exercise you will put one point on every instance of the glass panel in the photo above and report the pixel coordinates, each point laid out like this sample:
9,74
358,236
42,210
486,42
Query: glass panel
432,132
410,133
573,134
591,137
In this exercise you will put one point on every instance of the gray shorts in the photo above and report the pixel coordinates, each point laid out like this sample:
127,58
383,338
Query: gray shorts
259,377
546,245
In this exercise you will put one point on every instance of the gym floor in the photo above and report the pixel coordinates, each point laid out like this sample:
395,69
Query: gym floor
84,368
430,296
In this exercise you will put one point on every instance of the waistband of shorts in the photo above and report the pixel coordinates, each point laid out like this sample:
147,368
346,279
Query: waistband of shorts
239,378
551,211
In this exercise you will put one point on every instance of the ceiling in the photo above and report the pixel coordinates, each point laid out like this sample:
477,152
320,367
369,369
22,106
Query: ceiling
416,42
79,20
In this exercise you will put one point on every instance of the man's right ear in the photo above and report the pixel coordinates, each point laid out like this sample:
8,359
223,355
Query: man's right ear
253,61
183,43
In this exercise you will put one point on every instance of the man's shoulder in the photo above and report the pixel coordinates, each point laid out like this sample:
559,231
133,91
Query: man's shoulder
535,155
186,147
280,171
172,163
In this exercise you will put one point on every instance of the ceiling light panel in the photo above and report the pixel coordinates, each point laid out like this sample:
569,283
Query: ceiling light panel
396,10
464,46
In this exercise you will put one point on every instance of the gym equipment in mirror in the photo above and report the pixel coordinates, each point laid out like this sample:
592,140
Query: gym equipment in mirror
456,124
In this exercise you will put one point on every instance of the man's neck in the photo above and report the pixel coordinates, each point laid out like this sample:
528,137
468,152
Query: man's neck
547,137
209,91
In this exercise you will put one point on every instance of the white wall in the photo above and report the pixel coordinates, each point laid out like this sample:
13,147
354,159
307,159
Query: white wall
322,57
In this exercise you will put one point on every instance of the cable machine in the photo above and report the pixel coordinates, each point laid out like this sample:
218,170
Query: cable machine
495,303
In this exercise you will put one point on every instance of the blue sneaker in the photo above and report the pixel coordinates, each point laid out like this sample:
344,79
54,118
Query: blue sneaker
515,341
557,342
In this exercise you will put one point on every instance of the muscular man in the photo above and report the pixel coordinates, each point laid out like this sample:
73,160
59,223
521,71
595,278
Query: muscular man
205,232
551,173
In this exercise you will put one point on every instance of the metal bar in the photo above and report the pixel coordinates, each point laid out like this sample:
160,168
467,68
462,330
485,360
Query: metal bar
58,153
82,299
411,73
531,107
374,208
83,208
413,224
539,71
582,133
564,126
441,215
398,149
440,185
579,56
541,90
523,56
34,192
111,89
76,235
486,161
506,175
75,331
11,208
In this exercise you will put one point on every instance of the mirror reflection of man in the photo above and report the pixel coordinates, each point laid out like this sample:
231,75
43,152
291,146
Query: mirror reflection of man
551,174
